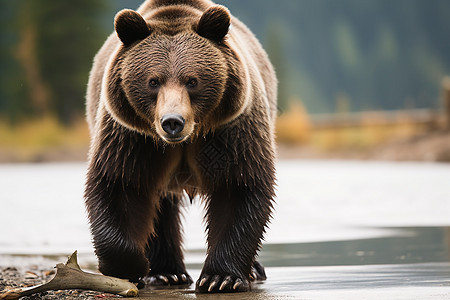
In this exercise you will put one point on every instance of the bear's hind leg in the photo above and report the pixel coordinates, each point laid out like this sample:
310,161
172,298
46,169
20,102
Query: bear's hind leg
164,247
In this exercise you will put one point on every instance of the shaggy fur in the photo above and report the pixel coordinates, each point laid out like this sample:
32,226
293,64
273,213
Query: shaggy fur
180,57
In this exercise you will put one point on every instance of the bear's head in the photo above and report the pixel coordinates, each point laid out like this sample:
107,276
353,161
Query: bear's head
170,85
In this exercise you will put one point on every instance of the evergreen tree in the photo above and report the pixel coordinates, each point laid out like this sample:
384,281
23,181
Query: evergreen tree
378,53
13,88
275,49
69,34
47,50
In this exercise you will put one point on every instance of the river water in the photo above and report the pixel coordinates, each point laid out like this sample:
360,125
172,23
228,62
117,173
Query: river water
341,229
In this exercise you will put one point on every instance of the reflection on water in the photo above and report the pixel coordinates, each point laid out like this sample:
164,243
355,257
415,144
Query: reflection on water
412,264
411,245
361,279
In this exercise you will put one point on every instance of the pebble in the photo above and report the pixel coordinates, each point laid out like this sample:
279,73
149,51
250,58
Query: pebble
31,275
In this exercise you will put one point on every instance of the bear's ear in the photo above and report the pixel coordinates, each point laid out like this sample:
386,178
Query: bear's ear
130,26
214,23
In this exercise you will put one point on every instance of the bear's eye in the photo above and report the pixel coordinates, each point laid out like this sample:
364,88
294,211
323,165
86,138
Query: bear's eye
192,82
153,83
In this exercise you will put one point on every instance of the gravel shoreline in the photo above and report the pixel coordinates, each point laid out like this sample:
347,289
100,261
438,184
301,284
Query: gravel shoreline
31,271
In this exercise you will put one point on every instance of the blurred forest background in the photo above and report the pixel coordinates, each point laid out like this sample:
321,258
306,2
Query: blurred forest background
331,57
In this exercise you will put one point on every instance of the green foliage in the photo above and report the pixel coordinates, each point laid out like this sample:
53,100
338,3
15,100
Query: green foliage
348,49
69,36
380,54
280,61
49,46
13,97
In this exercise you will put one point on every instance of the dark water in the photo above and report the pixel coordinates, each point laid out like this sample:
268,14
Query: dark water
409,246
413,264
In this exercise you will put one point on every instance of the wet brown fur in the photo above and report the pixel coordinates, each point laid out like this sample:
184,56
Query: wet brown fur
136,179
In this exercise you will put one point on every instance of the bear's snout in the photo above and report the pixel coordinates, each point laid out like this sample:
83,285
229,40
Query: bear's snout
174,116
172,124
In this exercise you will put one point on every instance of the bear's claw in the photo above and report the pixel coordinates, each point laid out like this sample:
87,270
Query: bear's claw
168,279
213,283
218,283
225,283
258,273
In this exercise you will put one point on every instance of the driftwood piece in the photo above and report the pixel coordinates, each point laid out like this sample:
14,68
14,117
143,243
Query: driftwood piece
70,276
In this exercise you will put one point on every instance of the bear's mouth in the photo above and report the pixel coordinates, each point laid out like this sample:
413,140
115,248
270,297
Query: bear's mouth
175,140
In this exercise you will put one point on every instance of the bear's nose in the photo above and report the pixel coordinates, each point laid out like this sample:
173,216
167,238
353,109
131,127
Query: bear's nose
172,124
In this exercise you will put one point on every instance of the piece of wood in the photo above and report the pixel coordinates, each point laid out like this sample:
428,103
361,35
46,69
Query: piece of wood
70,276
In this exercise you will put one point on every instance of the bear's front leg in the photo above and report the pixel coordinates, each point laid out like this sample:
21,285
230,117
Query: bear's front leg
120,201
236,216
121,217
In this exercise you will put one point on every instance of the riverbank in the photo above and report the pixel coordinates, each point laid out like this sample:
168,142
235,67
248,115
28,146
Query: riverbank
430,147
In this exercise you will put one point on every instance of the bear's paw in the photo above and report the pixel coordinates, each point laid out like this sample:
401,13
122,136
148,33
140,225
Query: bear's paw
168,279
221,284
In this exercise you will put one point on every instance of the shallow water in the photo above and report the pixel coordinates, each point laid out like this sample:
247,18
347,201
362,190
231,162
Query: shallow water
341,230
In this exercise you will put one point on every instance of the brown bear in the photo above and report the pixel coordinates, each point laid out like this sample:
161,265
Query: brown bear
180,104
